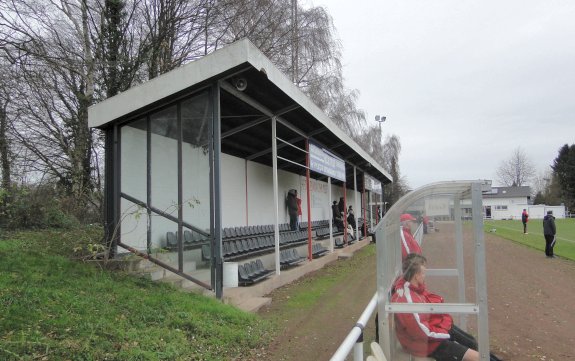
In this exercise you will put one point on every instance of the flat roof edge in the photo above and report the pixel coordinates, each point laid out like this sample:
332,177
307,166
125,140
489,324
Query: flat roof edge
168,83
210,66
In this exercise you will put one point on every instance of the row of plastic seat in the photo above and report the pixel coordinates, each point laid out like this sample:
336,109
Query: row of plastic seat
252,272
318,250
241,248
324,231
339,243
314,224
191,239
246,231
290,257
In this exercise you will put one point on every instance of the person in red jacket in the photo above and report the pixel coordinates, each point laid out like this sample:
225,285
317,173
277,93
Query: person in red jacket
428,334
524,220
408,243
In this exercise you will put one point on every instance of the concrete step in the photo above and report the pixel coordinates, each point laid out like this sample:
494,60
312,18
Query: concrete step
251,304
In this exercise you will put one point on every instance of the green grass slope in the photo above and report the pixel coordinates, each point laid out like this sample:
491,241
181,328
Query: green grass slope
54,308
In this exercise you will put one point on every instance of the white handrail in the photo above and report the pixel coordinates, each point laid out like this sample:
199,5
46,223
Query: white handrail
349,342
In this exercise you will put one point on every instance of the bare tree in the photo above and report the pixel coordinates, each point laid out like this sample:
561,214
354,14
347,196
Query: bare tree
391,151
540,182
387,154
70,53
175,32
5,151
545,188
50,44
316,68
121,46
517,170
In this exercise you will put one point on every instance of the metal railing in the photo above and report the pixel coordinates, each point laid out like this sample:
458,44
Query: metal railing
354,339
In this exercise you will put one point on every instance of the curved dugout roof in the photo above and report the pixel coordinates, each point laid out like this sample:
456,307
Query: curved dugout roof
456,189
246,114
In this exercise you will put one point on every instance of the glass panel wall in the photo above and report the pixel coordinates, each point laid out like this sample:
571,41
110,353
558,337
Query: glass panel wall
196,127
164,179
150,202
133,183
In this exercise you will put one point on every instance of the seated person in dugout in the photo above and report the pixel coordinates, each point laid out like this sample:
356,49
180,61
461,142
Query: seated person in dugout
428,334
408,242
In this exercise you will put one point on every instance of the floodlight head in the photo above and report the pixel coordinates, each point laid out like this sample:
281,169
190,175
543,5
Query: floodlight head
380,119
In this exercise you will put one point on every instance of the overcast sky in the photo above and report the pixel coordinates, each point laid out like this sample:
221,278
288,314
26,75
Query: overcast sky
463,83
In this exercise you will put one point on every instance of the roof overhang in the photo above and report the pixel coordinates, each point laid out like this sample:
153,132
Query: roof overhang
245,114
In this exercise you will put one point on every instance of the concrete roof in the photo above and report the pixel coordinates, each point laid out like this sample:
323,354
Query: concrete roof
275,92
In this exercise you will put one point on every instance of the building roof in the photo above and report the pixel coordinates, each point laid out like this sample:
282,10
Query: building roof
245,113
508,192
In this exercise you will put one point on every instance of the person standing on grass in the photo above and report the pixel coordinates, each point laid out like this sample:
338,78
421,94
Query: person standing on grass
549,231
524,220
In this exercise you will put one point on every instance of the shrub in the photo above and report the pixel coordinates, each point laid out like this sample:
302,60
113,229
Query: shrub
29,207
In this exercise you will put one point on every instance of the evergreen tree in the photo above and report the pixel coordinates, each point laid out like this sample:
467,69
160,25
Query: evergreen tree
564,171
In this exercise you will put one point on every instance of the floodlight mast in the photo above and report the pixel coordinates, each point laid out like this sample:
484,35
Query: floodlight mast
380,119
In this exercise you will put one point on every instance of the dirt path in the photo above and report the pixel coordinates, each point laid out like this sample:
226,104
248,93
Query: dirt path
531,306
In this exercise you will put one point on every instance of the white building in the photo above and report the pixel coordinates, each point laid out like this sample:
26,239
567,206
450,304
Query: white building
509,203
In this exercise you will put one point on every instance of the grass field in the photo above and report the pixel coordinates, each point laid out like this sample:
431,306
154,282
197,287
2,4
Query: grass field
513,230
54,308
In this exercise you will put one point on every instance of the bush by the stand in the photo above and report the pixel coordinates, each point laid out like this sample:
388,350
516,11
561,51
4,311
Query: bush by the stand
32,207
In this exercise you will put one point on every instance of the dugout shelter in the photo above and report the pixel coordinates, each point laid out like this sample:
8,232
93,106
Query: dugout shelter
453,243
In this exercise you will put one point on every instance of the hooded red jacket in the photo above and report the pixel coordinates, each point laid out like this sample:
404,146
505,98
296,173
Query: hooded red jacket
408,243
419,333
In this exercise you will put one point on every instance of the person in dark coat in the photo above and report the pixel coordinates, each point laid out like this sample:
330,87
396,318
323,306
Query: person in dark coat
341,205
336,215
351,217
293,208
549,231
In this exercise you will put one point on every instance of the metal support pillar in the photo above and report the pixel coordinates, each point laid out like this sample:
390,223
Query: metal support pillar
345,213
217,192
331,244
460,261
355,201
276,191
309,246
480,274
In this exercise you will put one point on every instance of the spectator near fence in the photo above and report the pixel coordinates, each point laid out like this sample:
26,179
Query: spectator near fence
351,217
524,220
336,214
293,208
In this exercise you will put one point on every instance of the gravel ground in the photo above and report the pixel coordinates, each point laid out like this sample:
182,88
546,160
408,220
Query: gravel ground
531,303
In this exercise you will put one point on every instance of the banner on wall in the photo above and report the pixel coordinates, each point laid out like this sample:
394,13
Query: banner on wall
324,162
318,192
372,185
376,186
